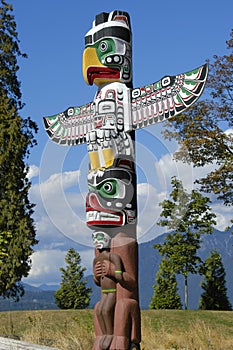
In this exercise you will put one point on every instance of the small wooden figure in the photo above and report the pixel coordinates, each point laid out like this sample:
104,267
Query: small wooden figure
106,306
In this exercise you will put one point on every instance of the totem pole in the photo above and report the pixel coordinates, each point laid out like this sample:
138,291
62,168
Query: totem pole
107,125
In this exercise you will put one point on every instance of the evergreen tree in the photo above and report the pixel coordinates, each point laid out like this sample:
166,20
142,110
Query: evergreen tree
17,229
165,290
201,130
73,293
214,296
189,216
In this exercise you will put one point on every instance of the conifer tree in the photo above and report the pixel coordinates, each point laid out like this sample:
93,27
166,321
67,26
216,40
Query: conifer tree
73,293
17,231
189,216
214,296
165,290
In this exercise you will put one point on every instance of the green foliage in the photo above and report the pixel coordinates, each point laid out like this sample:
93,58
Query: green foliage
4,237
189,216
165,290
214,296
200,130
73,293
17,230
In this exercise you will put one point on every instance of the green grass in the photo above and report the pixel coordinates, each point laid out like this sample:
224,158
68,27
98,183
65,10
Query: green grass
161,329
187,330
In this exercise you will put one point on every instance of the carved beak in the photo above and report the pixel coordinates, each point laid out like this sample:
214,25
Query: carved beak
94,71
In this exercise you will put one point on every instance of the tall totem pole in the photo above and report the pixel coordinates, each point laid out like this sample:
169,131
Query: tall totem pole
107,125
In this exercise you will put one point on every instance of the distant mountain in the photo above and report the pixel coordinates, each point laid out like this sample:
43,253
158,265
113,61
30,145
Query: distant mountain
42,297
29,288
150,259
47,287
34,299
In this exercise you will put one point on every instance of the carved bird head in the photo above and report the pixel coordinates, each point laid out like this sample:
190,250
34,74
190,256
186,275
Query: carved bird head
108,50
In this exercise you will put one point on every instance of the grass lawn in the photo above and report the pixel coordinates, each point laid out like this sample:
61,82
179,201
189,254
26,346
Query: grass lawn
161,329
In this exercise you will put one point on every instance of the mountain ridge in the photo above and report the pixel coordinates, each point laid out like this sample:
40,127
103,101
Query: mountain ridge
42,297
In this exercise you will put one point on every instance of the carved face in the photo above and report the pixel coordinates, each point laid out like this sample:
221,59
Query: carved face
111,200
101,240
107,56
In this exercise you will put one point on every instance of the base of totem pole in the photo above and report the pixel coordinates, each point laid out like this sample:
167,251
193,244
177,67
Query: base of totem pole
126,316
134,346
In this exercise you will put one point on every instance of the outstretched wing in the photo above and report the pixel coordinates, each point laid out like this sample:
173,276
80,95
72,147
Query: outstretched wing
166,98
71,126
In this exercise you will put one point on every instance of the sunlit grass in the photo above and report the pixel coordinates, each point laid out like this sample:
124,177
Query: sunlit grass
161,329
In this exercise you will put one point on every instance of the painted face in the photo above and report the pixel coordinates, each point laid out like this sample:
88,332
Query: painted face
111,200
101,240
107,56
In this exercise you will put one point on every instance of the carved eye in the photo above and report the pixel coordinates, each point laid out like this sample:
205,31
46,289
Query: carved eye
103,46
70,112
108,188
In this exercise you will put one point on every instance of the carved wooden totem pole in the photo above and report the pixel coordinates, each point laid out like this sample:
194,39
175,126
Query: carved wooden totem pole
107,125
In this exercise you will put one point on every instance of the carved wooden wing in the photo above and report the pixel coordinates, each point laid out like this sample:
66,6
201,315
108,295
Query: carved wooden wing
167,97
71,126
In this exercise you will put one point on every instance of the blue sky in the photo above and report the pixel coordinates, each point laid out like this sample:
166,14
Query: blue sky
168,38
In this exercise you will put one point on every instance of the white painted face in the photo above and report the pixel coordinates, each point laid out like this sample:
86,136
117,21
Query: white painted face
101,240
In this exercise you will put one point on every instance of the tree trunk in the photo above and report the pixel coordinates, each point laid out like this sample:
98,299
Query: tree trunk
185,292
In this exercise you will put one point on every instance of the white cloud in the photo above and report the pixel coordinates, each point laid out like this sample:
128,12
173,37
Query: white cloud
33,171
58,208
60,224
149,210
46,265
59,182
166,167
87,257
224,215
229,132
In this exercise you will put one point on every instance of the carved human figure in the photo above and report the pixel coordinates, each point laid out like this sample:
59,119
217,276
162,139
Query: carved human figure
106,307
115,271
